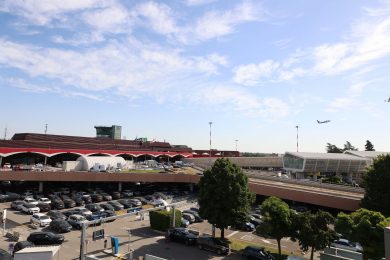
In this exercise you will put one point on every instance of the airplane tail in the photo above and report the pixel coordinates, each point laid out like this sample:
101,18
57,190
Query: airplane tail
318,121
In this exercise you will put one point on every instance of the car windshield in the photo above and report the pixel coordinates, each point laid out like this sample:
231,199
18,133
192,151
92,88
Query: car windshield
30,206
44,217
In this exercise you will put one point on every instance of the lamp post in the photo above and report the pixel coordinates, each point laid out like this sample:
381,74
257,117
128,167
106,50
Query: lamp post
236,144
297,136
210,123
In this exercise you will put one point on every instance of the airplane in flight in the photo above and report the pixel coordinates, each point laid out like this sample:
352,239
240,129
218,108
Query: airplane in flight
323,122
387,100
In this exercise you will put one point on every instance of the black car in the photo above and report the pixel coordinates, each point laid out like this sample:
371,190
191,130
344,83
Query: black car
79,201
182,235
87,199
116,205
256,253
94,207
195,214
60,226
107,206
4,255
245,226
126,203
16,204
69,203
20,245
55,214
213,244
45,238
115,195
69,212
43,207
96,198
57,204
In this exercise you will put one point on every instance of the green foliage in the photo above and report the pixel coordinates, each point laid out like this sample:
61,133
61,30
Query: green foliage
276,220
331,148
162,219
369,146
348,146
366,227
224,194
376,183
312,230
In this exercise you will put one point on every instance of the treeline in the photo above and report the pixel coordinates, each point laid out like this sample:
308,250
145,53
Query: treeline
331,148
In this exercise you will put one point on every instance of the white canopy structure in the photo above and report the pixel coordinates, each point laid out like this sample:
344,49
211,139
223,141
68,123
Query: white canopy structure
101,163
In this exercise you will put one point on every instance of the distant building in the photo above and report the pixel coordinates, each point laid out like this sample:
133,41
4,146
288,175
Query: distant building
112,132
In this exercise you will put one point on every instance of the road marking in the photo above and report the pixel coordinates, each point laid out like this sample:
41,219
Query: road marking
247,237
232,234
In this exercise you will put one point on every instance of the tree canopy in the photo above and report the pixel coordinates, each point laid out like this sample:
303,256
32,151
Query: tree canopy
224,194
331,148
376,183
369,146
366,227
312,230
276,220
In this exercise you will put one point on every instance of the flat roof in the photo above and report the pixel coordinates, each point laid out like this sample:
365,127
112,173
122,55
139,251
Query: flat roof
36,249
366,154
326,156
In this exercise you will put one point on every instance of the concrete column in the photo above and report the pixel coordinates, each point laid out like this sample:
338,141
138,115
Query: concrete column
119,186
40,189
1,160
45,161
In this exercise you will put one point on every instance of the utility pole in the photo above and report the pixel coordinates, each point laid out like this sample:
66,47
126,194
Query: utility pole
5,133
45,128
297,136
210,123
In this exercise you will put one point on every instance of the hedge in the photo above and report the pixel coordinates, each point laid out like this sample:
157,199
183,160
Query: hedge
162,219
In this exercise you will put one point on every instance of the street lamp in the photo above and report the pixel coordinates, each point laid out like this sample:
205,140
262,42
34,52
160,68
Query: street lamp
210,123
297,126
236,144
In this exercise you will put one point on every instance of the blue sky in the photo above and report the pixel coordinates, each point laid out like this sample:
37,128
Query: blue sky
164,69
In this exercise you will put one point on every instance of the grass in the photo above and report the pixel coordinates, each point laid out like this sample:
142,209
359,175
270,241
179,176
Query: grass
239,245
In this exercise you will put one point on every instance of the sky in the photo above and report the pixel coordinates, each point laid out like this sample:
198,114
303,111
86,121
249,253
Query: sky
165,69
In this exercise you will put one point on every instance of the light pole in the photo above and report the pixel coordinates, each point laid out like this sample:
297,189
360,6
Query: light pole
210,123
236,144
297,136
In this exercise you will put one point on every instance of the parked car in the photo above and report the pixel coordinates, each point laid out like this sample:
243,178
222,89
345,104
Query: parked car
136,202
40,219
60,226
213,244
96,198
127,193
182,235
188,217
126,203
106,196
107,206
195,214
30,200
29,208
69,203
348,245
82,211
256,253
255,221
79,201
77,221
57,204
116,205
107,214
94,207
115,195
20,245
56,214
45,238
245,226
44,200
17,204
195,209
43,207
134,209
184,223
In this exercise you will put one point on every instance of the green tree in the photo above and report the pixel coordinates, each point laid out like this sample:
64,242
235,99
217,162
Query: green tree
276,220
369,146
312,230
224,194
331,148
366,227
376,183
349,147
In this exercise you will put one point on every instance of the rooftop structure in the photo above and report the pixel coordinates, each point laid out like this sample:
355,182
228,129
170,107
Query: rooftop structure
112,132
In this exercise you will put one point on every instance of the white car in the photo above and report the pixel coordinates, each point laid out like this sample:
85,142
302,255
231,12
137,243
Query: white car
29,208
44,201
31,201
40,219
347,245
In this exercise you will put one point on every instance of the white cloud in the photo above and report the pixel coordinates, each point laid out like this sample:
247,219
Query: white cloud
252,74
198,2
80,39
341,103
113,19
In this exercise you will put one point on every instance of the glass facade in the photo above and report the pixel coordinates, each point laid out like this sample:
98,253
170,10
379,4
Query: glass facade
292,162
113,132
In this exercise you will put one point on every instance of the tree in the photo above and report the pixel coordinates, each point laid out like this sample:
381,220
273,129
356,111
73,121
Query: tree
276,220
349,147
369,146
312,230
366,227
331,148
224,194
376,183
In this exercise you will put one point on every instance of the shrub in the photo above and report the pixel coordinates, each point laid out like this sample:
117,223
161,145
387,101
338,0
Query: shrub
162,219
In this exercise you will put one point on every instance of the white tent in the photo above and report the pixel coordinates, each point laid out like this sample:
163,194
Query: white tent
101,163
